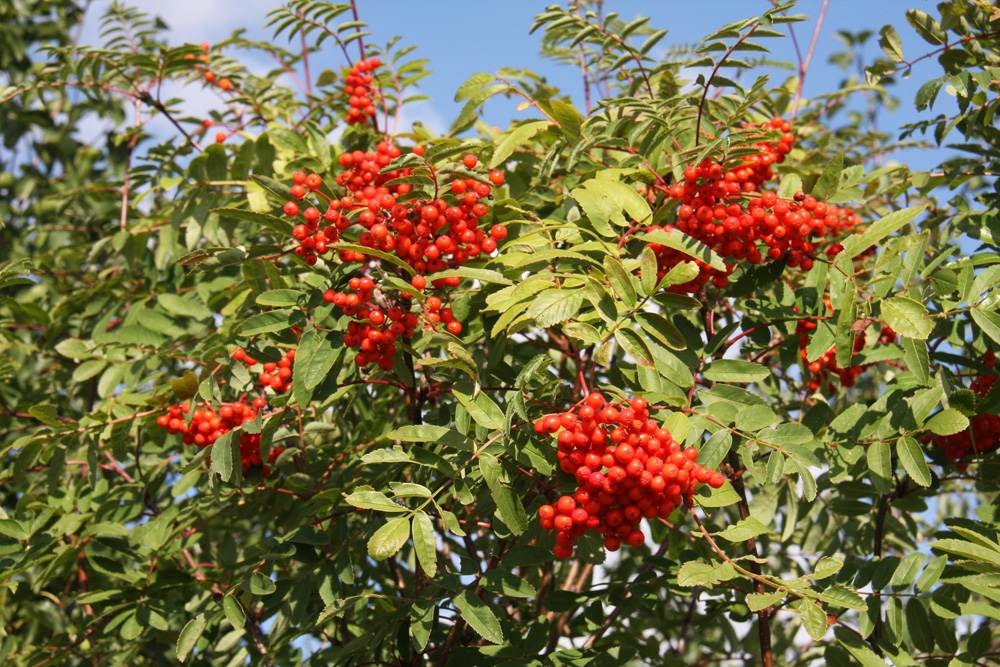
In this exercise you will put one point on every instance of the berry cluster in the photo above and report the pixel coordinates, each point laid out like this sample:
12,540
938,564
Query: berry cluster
276,375
430,236
626,467
358,85
374,330
983,432
725,208
208,425
364,183
362,177
826,366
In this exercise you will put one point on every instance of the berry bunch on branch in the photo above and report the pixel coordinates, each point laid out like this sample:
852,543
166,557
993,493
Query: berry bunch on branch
724,206
983,432
825,367
426,235
208,424
626,466
360,85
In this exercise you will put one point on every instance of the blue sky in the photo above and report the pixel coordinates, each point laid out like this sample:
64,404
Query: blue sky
461,39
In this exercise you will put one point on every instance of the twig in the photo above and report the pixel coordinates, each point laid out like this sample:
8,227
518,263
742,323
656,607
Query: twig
804,65
763,615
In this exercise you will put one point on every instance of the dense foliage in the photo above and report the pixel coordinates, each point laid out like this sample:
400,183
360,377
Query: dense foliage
685,372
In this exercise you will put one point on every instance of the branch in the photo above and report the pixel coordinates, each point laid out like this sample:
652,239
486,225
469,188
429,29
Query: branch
764,615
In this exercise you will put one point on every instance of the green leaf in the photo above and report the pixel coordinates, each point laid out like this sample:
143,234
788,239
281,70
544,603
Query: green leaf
722,497
502,582
482,275
911,456
857,647
13,529
635,347
647,271
280,298
509,142
813,619
787,434
234,611
715,450
190,635
365,497
286,139
483,410
553,306
699,573
679,274
421,624
842,596
829,180
392,258
315,357
261,584
919,625
473,84
431,433
88,369
988,321
735,370
424,543
583,332
223,456
947,422
621,283
880,464
271,222
931,574
683,243
509,505
907,571
479,616
758,601
907,317
891,45
744,530
46,414
662,329
755,417
272,320
858,243
570,120
926,26
389,539
178,305
916,358
968,550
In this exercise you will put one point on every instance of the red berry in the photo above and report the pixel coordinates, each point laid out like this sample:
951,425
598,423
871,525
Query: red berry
470,161
496,178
